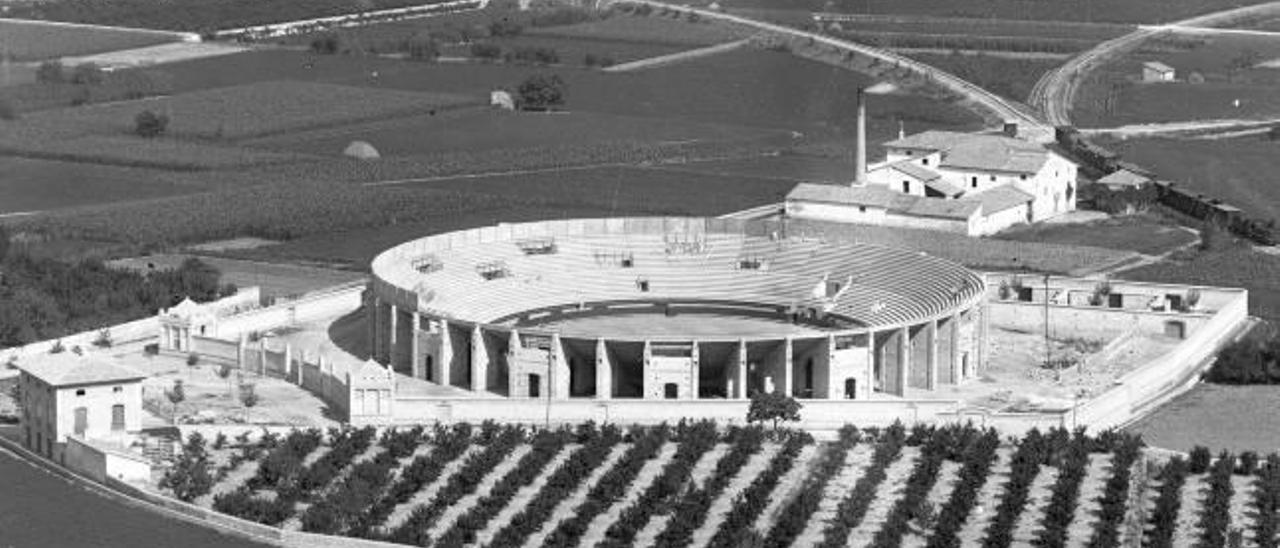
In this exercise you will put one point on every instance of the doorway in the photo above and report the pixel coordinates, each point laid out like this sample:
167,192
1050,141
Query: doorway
535,385
851,388
671,391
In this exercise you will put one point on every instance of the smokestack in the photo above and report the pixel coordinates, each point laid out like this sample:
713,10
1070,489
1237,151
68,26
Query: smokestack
860,157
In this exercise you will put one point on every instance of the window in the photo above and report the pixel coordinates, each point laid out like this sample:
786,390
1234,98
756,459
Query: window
924,161
117,389
862,209
117,417
1023,176
82,420
993,178
906,187
642,285
974,181
79,391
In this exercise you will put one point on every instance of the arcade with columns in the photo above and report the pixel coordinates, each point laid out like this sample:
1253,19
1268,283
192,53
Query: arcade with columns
532,363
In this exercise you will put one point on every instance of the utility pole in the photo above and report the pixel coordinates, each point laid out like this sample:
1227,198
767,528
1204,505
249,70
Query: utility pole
1048,361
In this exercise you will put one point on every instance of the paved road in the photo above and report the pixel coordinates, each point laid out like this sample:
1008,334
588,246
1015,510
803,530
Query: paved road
1055,92
996,106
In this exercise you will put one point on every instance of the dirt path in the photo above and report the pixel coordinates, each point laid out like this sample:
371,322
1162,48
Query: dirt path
1244,515
1193,492
984,508
855,463
702,471
565,509
788,485
650,472
895,481
720,508
938,494
1096,475
522,497
464,504
678,57
1024,530
428,491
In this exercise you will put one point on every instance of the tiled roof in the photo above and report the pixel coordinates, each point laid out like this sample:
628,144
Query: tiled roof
919,206
920,173
947,189
870,195
999,198
977,151
69,369
1124,177
1157,65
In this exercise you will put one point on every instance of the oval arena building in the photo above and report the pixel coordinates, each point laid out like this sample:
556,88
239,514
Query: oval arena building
671,308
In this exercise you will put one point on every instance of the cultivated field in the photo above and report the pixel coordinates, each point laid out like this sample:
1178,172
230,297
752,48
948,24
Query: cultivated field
274,280
975,34
193,15
654,29
35,185
1148,234
251,110
1214,415
489,129
1009,77
695,485
1228,68
35,41
1239,267
1238,171
569,51
1106,11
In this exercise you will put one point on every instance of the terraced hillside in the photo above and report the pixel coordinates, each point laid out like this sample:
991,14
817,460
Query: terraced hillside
693,484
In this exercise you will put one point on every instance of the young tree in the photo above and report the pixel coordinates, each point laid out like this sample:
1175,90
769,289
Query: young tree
176,396
422,46
773,407
87,74
149,124
541,92
50,72
248,398
189,477
224,373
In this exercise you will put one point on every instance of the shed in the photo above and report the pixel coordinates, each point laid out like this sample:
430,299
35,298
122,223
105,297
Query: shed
1155,71
501,99
1124,179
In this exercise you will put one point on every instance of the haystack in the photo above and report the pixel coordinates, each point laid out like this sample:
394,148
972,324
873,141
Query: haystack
361,150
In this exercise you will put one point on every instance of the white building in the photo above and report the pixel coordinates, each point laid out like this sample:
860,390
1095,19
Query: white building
976,184
1155,71
67,394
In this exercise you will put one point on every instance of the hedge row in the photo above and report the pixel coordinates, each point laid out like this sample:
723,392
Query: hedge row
348,501
794,517
911,505
423,470
1115,495
659,498
738,527
854,507
563,483
1023,467
691,511
1215,515
1164,520
611,487
1266,499
1061,509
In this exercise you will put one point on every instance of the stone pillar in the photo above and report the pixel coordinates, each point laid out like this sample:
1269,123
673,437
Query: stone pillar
742,368
479,361
931,377
444,361
240,344
694,367
645,357
415,345
872,378
984,330
954,324
604,371
392,332
288,361
371,322
904,359
513,345
262,357
788,358
560,369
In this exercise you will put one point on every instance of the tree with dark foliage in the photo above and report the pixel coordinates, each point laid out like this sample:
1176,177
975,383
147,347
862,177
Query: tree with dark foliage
773,407
541,92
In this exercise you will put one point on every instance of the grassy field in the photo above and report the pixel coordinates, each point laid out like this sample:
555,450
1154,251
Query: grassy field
1238,171
488,129
1010,78
36,41
1230,69
193,15
274,280
1106,11
649,30
238,112
33,185
1145,233
1214,415
1009,28
570,51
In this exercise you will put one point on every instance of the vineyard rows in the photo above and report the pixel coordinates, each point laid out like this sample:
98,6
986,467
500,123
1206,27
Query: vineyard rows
696,484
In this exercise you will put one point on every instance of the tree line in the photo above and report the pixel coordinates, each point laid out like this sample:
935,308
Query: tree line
43,298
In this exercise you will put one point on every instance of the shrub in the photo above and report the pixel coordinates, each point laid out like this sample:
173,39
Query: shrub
189,477
541,92
104,339
50,72
193,359
1164,518
484,51
854,506
87,74
422,46
149,124
57,347
328,43
773,407
1199,460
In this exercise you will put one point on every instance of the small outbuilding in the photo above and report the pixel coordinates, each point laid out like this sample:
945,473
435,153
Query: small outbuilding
501,99
361,150
1125,178
1155,71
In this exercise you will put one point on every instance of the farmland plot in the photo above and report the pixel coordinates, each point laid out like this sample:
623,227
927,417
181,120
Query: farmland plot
34,185
1050,487
569,51
1110,11
194,15
648,30
36,41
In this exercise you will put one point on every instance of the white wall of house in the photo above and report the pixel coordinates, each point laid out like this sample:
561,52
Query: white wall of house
1000,220
844,213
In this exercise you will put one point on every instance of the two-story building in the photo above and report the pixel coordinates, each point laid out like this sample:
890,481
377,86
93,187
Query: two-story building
67,394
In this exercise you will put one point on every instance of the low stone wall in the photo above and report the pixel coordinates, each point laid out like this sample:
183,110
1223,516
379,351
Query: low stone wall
313,307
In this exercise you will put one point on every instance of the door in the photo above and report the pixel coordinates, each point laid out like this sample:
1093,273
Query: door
117,417
808,378
535,385
430,370
671,390
1175,329
82,421
851,388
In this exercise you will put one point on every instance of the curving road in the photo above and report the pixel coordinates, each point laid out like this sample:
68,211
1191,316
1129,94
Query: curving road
1055,92
996,106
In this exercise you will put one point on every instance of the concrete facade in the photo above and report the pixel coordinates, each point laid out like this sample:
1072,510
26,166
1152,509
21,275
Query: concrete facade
66,395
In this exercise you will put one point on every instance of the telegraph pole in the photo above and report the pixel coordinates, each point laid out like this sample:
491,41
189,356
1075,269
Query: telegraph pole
1048,361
